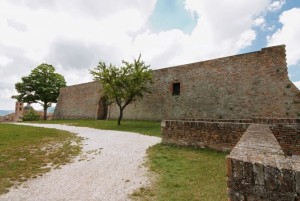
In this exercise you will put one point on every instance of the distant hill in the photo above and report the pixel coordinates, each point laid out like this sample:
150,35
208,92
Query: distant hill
5,112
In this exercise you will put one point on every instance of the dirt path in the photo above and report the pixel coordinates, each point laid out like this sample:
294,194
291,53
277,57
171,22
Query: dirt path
111,171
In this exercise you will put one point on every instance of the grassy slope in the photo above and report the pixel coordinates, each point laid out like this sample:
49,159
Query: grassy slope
25,151
185,174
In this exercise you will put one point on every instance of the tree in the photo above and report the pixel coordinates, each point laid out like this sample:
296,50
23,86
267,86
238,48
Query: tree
31,115
42,86
125,84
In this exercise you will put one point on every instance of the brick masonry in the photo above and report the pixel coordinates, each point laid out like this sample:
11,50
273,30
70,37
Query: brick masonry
288,137
220,136
223,134
238,87
243,86
80,102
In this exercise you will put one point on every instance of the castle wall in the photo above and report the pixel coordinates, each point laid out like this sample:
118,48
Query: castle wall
79,102
243,86
237,87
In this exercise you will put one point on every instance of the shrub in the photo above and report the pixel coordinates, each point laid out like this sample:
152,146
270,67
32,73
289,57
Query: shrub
31,115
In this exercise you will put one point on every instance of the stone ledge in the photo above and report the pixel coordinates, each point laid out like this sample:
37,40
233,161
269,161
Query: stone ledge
257,168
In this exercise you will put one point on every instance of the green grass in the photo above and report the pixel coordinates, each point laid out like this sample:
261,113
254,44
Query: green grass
144,127
28,152
185,174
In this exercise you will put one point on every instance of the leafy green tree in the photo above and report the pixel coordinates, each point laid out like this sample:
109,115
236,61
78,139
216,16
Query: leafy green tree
31,115
42,86
124,84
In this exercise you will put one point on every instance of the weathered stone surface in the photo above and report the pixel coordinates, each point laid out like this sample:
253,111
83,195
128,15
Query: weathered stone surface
297,177
260,170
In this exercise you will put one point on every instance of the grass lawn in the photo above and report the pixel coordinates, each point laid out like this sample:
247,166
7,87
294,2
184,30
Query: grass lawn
144,127
185,174
27,152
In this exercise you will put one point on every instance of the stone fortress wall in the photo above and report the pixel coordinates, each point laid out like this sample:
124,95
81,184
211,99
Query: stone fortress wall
249,85
81,101
231,96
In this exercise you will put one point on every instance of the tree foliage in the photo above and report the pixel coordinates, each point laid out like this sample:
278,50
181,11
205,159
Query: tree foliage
124,84
31,115
42,86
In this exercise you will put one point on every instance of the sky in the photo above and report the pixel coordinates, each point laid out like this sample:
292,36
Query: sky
74,36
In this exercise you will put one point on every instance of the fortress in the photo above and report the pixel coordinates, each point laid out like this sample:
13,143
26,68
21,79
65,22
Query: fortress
243,86
245,104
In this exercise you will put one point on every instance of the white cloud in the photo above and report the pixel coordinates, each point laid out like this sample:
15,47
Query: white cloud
289,35
223,28
70,35
259,22
297,84
276,5
4,60
74,35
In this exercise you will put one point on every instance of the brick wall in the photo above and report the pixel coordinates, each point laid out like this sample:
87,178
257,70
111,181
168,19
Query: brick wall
243,86
223,134
288,137
237,87
216,135
79,102
257,168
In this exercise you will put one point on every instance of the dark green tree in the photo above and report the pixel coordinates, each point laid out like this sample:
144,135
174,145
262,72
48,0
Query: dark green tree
42,86
124,84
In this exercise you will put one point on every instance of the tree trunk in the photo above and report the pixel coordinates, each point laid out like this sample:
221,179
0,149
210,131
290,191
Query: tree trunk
120,116
45,111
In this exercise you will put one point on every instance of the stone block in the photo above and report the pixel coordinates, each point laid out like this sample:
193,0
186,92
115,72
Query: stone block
238,169
235,196
228,167
272,182
276,196
248,174
260,191
287,181
297,178
258,170
256,198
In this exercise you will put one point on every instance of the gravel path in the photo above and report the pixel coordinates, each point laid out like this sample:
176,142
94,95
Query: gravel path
113,169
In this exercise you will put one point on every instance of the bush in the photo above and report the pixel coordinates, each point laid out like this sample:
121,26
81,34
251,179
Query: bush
31,115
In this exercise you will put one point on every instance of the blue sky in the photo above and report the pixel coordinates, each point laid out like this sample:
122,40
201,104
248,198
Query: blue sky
75,35
171,14
168,15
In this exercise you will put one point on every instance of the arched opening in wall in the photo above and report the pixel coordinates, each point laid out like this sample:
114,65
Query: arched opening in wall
102,109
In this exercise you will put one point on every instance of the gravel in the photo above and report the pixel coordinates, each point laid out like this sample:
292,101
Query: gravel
112,169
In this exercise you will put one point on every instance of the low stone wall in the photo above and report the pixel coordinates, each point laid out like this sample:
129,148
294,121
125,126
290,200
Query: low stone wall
257,168
223,134
216,135
256,120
